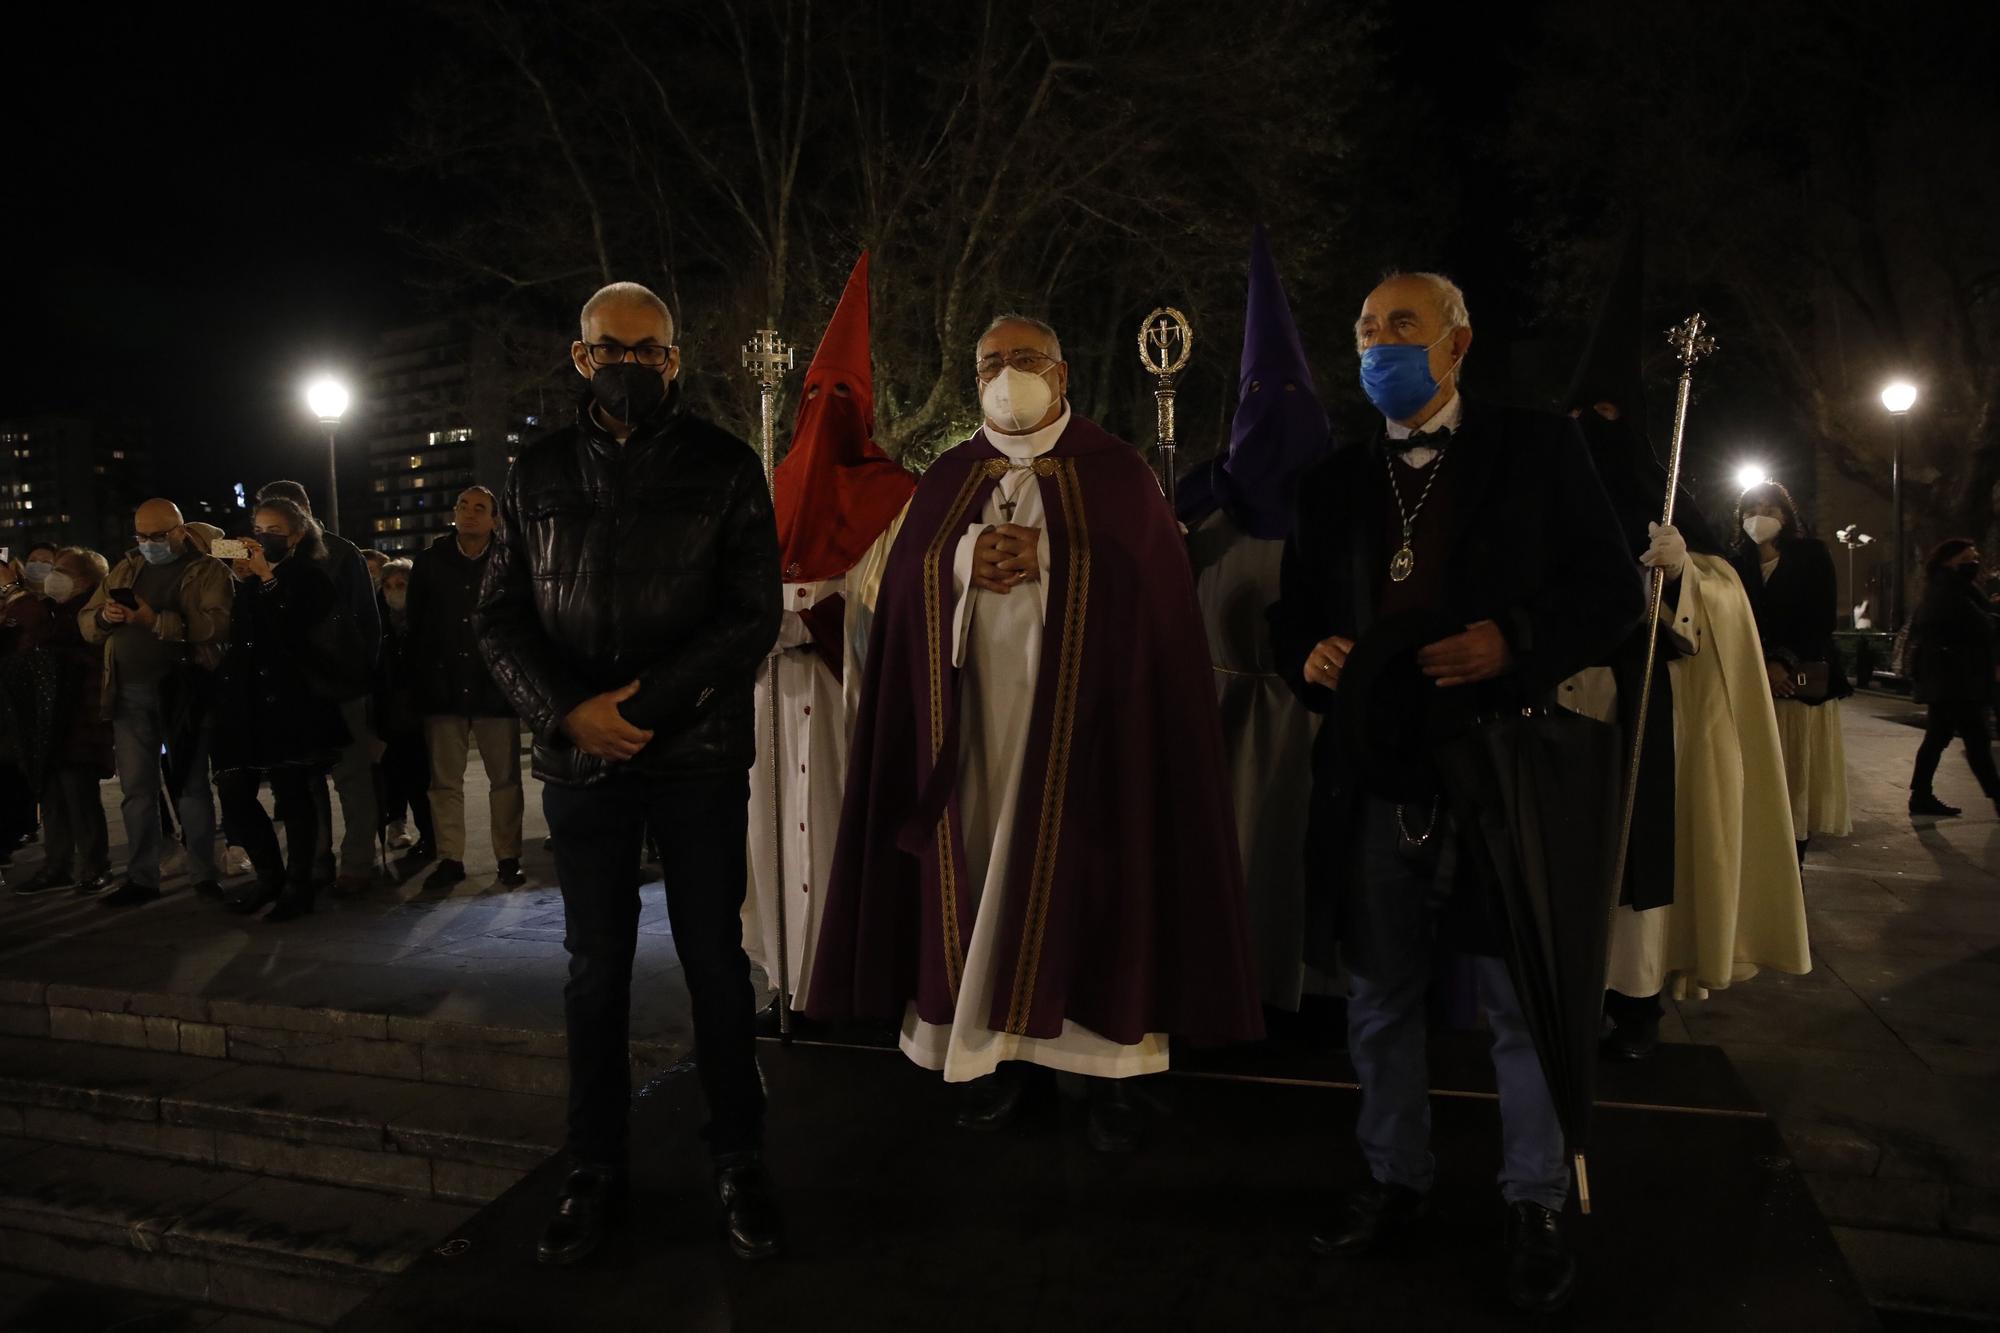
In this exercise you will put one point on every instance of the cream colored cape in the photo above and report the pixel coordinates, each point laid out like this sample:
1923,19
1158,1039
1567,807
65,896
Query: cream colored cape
1738,905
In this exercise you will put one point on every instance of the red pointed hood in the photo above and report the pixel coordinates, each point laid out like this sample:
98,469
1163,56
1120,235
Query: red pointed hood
836,492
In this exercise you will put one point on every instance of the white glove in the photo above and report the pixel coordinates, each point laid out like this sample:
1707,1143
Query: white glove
1668,551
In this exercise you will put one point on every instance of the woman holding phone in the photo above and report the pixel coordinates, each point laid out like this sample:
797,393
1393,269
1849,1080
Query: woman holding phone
274,721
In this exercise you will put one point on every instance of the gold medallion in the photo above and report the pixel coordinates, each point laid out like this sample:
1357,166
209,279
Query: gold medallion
1402,563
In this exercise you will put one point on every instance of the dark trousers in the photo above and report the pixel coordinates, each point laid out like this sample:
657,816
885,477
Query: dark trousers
406,783
1967,721
73,832
597,833
291,787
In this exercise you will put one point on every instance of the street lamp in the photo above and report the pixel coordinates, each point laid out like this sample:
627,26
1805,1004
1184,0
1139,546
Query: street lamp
1898,397
1852,537
328,398
1749,475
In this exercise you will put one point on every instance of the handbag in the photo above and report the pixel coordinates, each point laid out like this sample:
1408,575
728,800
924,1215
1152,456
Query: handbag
1812,682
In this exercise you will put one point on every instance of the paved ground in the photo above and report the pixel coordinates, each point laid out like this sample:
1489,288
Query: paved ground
1882,1066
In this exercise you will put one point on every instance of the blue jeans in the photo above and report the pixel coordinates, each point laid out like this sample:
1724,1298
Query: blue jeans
138,730
1388,930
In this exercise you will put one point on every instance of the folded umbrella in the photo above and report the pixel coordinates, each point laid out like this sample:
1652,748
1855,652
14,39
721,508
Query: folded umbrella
1538,792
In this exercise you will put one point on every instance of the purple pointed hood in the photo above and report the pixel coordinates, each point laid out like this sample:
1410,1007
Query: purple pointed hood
1280,430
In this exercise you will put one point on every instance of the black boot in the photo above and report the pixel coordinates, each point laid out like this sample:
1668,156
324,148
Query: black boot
1116,1123
1541,1270
1369,1217
749,1210
1927,803
593,1201
992,1102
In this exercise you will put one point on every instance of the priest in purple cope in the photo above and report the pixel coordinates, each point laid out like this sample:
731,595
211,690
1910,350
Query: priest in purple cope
1036,862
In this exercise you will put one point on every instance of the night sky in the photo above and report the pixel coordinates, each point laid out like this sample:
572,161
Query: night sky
196,221
193,222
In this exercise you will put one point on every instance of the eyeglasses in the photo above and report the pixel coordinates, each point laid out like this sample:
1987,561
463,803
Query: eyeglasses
152,536
611,353
1021,358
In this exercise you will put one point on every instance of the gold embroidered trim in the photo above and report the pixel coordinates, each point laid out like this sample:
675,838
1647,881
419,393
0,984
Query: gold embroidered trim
954,959
1069,670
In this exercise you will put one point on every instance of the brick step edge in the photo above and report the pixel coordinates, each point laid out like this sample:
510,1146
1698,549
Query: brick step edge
398,1154
346,1041
219,1245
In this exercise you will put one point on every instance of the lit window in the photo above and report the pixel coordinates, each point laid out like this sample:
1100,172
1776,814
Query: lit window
417,460
118,454
513,437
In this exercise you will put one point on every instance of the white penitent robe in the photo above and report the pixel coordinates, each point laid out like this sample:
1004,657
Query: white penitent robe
998,646
814,723
1738,906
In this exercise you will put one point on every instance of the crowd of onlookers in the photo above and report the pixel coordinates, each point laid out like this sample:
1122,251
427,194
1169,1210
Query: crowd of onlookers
202,669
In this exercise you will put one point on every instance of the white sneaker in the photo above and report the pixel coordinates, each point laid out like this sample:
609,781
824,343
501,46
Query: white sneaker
399,834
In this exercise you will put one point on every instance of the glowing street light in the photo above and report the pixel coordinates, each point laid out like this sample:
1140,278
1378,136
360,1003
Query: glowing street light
327,398
1749,475
1898,397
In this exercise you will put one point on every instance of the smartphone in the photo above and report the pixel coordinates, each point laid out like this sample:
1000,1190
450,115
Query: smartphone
125,597
229,548
5,555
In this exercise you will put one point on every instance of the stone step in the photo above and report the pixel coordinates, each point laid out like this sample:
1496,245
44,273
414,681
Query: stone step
391,1135
415,1049
207,1235
31,1304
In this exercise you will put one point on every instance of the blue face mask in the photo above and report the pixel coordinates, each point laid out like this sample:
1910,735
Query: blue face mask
157,553
1397,378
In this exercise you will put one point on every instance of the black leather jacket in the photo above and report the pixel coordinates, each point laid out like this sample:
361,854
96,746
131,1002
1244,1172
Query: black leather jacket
655,561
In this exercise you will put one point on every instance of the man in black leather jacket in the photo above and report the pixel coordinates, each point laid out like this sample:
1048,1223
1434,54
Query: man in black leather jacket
625,613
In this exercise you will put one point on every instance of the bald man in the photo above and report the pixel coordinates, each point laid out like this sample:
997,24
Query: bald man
625,610
163,618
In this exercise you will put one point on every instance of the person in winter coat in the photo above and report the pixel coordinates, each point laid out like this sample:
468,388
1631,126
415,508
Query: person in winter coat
1954,667
456,692
1789,577
74,835
405,762
276,718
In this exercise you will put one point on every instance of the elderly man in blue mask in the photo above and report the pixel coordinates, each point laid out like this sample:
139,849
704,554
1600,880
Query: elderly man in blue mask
163,618
1460,566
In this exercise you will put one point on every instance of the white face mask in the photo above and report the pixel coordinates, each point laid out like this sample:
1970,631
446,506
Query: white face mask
1760,528
58,586
396,597
1016,401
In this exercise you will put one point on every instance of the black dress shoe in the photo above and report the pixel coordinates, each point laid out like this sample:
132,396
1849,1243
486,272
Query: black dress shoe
1928,804
296,901
1116,1123
252,900
444,875
593,1202
419,856
1541,1270
749,1210
1631,1040
129,894
1370,1216
993,1101
510,873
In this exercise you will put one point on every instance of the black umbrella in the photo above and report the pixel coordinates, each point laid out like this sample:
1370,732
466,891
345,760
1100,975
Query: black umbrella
1537,792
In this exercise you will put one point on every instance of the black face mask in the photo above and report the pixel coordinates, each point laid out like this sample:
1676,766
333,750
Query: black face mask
628,392
1969,572
275,545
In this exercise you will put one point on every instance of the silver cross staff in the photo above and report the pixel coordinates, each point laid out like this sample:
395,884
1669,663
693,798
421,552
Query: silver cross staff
767,357
1162,331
